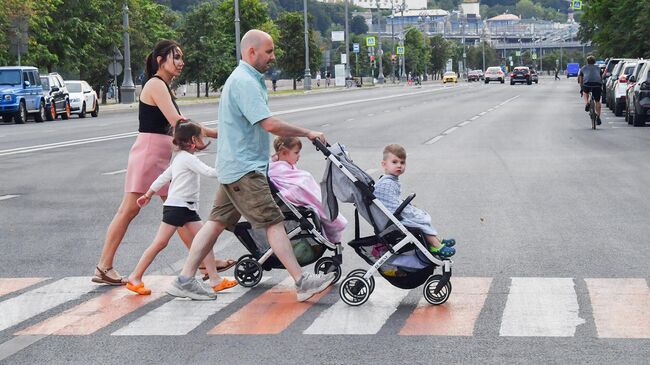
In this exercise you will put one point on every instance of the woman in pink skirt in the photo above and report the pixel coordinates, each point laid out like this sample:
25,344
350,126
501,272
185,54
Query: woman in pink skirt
151,153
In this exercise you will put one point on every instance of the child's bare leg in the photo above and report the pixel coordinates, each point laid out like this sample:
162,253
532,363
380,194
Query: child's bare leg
165,232
433,241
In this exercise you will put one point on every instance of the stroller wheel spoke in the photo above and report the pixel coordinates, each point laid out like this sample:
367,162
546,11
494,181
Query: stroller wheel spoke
354,290
430,287
248,272
326,265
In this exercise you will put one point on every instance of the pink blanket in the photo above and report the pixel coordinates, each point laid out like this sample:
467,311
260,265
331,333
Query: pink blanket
300,188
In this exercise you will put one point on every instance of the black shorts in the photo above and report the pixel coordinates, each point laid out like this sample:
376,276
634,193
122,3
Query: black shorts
597,90
178,216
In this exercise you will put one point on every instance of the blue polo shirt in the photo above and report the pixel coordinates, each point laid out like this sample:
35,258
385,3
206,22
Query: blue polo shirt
243,145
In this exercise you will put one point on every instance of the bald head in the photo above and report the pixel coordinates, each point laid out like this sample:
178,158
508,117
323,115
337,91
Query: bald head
257,49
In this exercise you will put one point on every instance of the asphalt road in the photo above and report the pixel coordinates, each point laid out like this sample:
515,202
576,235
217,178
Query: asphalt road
549,215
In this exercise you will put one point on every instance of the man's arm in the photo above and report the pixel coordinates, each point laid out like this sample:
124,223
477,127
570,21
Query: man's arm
281,128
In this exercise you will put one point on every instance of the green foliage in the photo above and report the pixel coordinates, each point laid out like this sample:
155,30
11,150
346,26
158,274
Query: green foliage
292,42
358,25
603,23
440,53
417,51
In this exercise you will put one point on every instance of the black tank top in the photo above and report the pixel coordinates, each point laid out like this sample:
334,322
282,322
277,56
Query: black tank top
152,119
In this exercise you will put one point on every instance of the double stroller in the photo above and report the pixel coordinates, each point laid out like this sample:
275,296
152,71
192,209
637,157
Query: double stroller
398,253
305,234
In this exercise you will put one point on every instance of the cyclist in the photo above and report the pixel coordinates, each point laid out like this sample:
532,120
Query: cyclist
590,81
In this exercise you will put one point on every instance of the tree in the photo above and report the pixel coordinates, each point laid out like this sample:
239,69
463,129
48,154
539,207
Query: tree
416,51
358,25
439,54
292,42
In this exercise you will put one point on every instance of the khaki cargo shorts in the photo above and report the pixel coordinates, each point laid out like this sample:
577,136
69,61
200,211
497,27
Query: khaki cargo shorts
250,197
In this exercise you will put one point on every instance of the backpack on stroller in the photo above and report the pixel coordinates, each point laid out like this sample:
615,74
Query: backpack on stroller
398,253
305,233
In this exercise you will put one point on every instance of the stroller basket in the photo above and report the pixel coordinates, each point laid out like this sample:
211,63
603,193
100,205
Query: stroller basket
305,247
407,269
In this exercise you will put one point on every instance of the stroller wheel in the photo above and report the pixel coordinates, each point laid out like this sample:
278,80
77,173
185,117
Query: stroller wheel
326,265
360,273
248,272
354,290
430,287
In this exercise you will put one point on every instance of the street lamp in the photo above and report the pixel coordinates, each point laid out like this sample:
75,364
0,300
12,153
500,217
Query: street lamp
380,51
128,88
307,77
347,42
237,33
401,42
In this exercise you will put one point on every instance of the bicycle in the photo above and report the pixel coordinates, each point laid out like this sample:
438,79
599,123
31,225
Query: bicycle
592,110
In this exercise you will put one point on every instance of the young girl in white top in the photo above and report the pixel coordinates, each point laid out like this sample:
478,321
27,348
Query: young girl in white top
180,208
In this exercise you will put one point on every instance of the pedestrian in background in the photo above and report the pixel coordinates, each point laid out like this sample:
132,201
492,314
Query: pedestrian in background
318,78
245,125
557,71
151,153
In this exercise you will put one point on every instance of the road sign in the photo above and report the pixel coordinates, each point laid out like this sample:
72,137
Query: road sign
117,54
370,41
338,36
517,53
576,4
355,47
115,68
534,56
400,50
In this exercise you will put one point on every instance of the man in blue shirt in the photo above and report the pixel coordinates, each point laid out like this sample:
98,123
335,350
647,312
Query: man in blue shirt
245,128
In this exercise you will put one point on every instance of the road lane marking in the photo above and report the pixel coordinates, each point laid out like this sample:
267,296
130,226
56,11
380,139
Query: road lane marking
449,131
546,307
49,146
433,140
11,285
7,197
37,301
457,317
474,118
464,123
97,313
482,114
180,316
367,319
114,172
270,313
621,307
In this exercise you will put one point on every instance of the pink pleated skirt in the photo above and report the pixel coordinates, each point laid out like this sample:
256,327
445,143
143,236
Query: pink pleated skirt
149,157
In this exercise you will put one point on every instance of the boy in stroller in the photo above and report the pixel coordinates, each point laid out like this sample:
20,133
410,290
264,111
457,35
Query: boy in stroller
393,251
388,191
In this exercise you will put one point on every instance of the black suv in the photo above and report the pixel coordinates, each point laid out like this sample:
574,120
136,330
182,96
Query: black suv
57,100
520,74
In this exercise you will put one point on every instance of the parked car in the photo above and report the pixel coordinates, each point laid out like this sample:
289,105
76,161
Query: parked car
83,98
534,77
54,86
639,110
607,72
449,76
520,74
620,87
611,80
20,94
480,74
494,74
631,82
473,75
572,70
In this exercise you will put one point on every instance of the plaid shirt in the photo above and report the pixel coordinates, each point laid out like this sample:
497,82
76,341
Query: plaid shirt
389,191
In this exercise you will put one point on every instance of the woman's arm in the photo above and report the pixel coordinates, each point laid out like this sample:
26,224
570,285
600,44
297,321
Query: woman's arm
156,91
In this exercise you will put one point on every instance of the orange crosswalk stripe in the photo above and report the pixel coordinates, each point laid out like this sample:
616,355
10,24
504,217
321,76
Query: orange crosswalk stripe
10,285
457,316
621,307
270,313
97,313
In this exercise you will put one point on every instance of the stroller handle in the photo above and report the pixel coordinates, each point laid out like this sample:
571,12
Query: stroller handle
321,147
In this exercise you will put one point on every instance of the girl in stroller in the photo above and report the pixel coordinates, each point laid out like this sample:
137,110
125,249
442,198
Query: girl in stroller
299,186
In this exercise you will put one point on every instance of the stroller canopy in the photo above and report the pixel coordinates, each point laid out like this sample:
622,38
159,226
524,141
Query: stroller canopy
356,188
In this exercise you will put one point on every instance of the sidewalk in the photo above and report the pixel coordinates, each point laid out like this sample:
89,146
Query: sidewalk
285,88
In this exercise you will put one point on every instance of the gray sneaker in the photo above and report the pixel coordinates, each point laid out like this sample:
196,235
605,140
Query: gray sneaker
310,284
191,289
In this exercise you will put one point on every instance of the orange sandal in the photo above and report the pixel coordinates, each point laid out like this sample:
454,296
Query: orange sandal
224,284
140,289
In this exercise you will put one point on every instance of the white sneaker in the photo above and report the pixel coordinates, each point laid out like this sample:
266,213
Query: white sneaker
191,289
310,284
